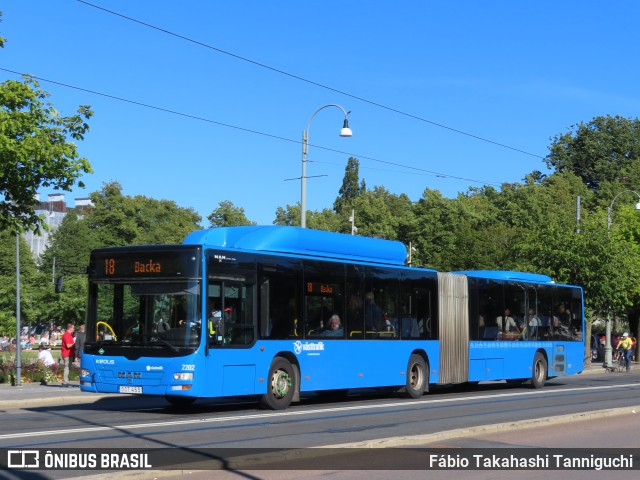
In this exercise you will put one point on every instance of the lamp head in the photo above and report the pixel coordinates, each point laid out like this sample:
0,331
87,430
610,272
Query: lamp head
346,132
637,207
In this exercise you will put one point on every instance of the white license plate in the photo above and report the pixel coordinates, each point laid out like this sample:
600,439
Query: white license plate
128,389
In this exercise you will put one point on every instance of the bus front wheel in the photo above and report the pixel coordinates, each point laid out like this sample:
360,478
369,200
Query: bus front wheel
539,374
417,377
281,385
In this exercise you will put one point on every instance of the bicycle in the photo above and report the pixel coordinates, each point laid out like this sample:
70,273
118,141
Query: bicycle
622,361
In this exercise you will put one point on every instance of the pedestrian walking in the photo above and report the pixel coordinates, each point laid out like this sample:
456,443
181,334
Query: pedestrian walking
80,337
67,352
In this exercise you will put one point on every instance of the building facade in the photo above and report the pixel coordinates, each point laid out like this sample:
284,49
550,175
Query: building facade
53,211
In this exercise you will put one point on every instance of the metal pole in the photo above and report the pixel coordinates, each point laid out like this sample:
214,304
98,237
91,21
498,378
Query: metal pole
18,382
303,181
353,222
608,363
578,215
607,343
345,132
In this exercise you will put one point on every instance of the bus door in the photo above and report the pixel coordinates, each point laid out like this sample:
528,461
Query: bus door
230,331
453,327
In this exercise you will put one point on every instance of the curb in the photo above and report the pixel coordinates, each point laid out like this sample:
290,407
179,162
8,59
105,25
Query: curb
391,442
416,440
55,401
36,395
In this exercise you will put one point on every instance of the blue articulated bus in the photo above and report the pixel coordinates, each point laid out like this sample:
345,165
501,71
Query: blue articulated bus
276,312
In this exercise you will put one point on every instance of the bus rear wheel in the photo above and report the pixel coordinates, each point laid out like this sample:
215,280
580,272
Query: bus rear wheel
281,385
417,382
539,374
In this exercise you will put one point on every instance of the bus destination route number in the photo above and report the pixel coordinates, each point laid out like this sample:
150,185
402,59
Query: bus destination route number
320,288
136,267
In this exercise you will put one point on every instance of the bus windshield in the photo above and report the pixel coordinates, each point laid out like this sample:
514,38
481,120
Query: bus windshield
159,314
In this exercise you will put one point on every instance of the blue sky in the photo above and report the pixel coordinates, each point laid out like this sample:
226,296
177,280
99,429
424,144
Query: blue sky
514,73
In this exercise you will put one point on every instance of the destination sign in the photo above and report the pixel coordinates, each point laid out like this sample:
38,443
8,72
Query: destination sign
316,288
111,263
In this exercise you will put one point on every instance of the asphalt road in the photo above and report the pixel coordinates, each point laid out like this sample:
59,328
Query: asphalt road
449,417
591,432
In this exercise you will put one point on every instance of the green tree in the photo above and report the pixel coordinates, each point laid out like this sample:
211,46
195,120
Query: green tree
380,213
228,215
605,154
288,216
2,39
68,306
123,220
602,150
36,150
324,220
28,274
112,216
351,187
434,234
163,221
70,246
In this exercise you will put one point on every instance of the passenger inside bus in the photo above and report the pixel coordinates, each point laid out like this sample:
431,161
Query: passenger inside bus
507,323
374,321
534,323
334,327
355,315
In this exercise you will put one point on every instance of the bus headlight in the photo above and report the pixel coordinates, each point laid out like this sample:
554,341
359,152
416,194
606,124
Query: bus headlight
183,376
84,372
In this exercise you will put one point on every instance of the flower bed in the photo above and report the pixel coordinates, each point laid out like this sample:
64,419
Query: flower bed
34,371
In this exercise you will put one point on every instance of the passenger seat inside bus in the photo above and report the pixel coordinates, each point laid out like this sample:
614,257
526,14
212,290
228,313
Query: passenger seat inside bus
490,332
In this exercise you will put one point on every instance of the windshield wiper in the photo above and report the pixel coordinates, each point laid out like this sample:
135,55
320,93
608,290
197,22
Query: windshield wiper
154,338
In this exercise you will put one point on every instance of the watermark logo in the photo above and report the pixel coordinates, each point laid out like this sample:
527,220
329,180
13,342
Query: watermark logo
23,459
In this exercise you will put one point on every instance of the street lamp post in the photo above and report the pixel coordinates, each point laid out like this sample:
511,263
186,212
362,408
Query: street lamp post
345,132
607,333
18,382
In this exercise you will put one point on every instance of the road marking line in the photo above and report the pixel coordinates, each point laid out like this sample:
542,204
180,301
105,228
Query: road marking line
290,413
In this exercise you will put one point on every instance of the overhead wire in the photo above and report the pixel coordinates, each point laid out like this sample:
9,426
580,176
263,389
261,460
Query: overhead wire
419,172
311,82
243,129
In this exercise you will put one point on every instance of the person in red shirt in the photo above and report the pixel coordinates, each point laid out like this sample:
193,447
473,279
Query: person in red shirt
67,352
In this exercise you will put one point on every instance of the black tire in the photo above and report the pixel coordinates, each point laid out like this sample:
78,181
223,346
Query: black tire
281,385
539,373
180,402
417,382
622,362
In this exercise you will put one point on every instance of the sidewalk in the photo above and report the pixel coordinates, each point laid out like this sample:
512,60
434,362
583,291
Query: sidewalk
31,394
34,394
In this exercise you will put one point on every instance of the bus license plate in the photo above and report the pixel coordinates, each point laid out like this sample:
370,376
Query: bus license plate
128,389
